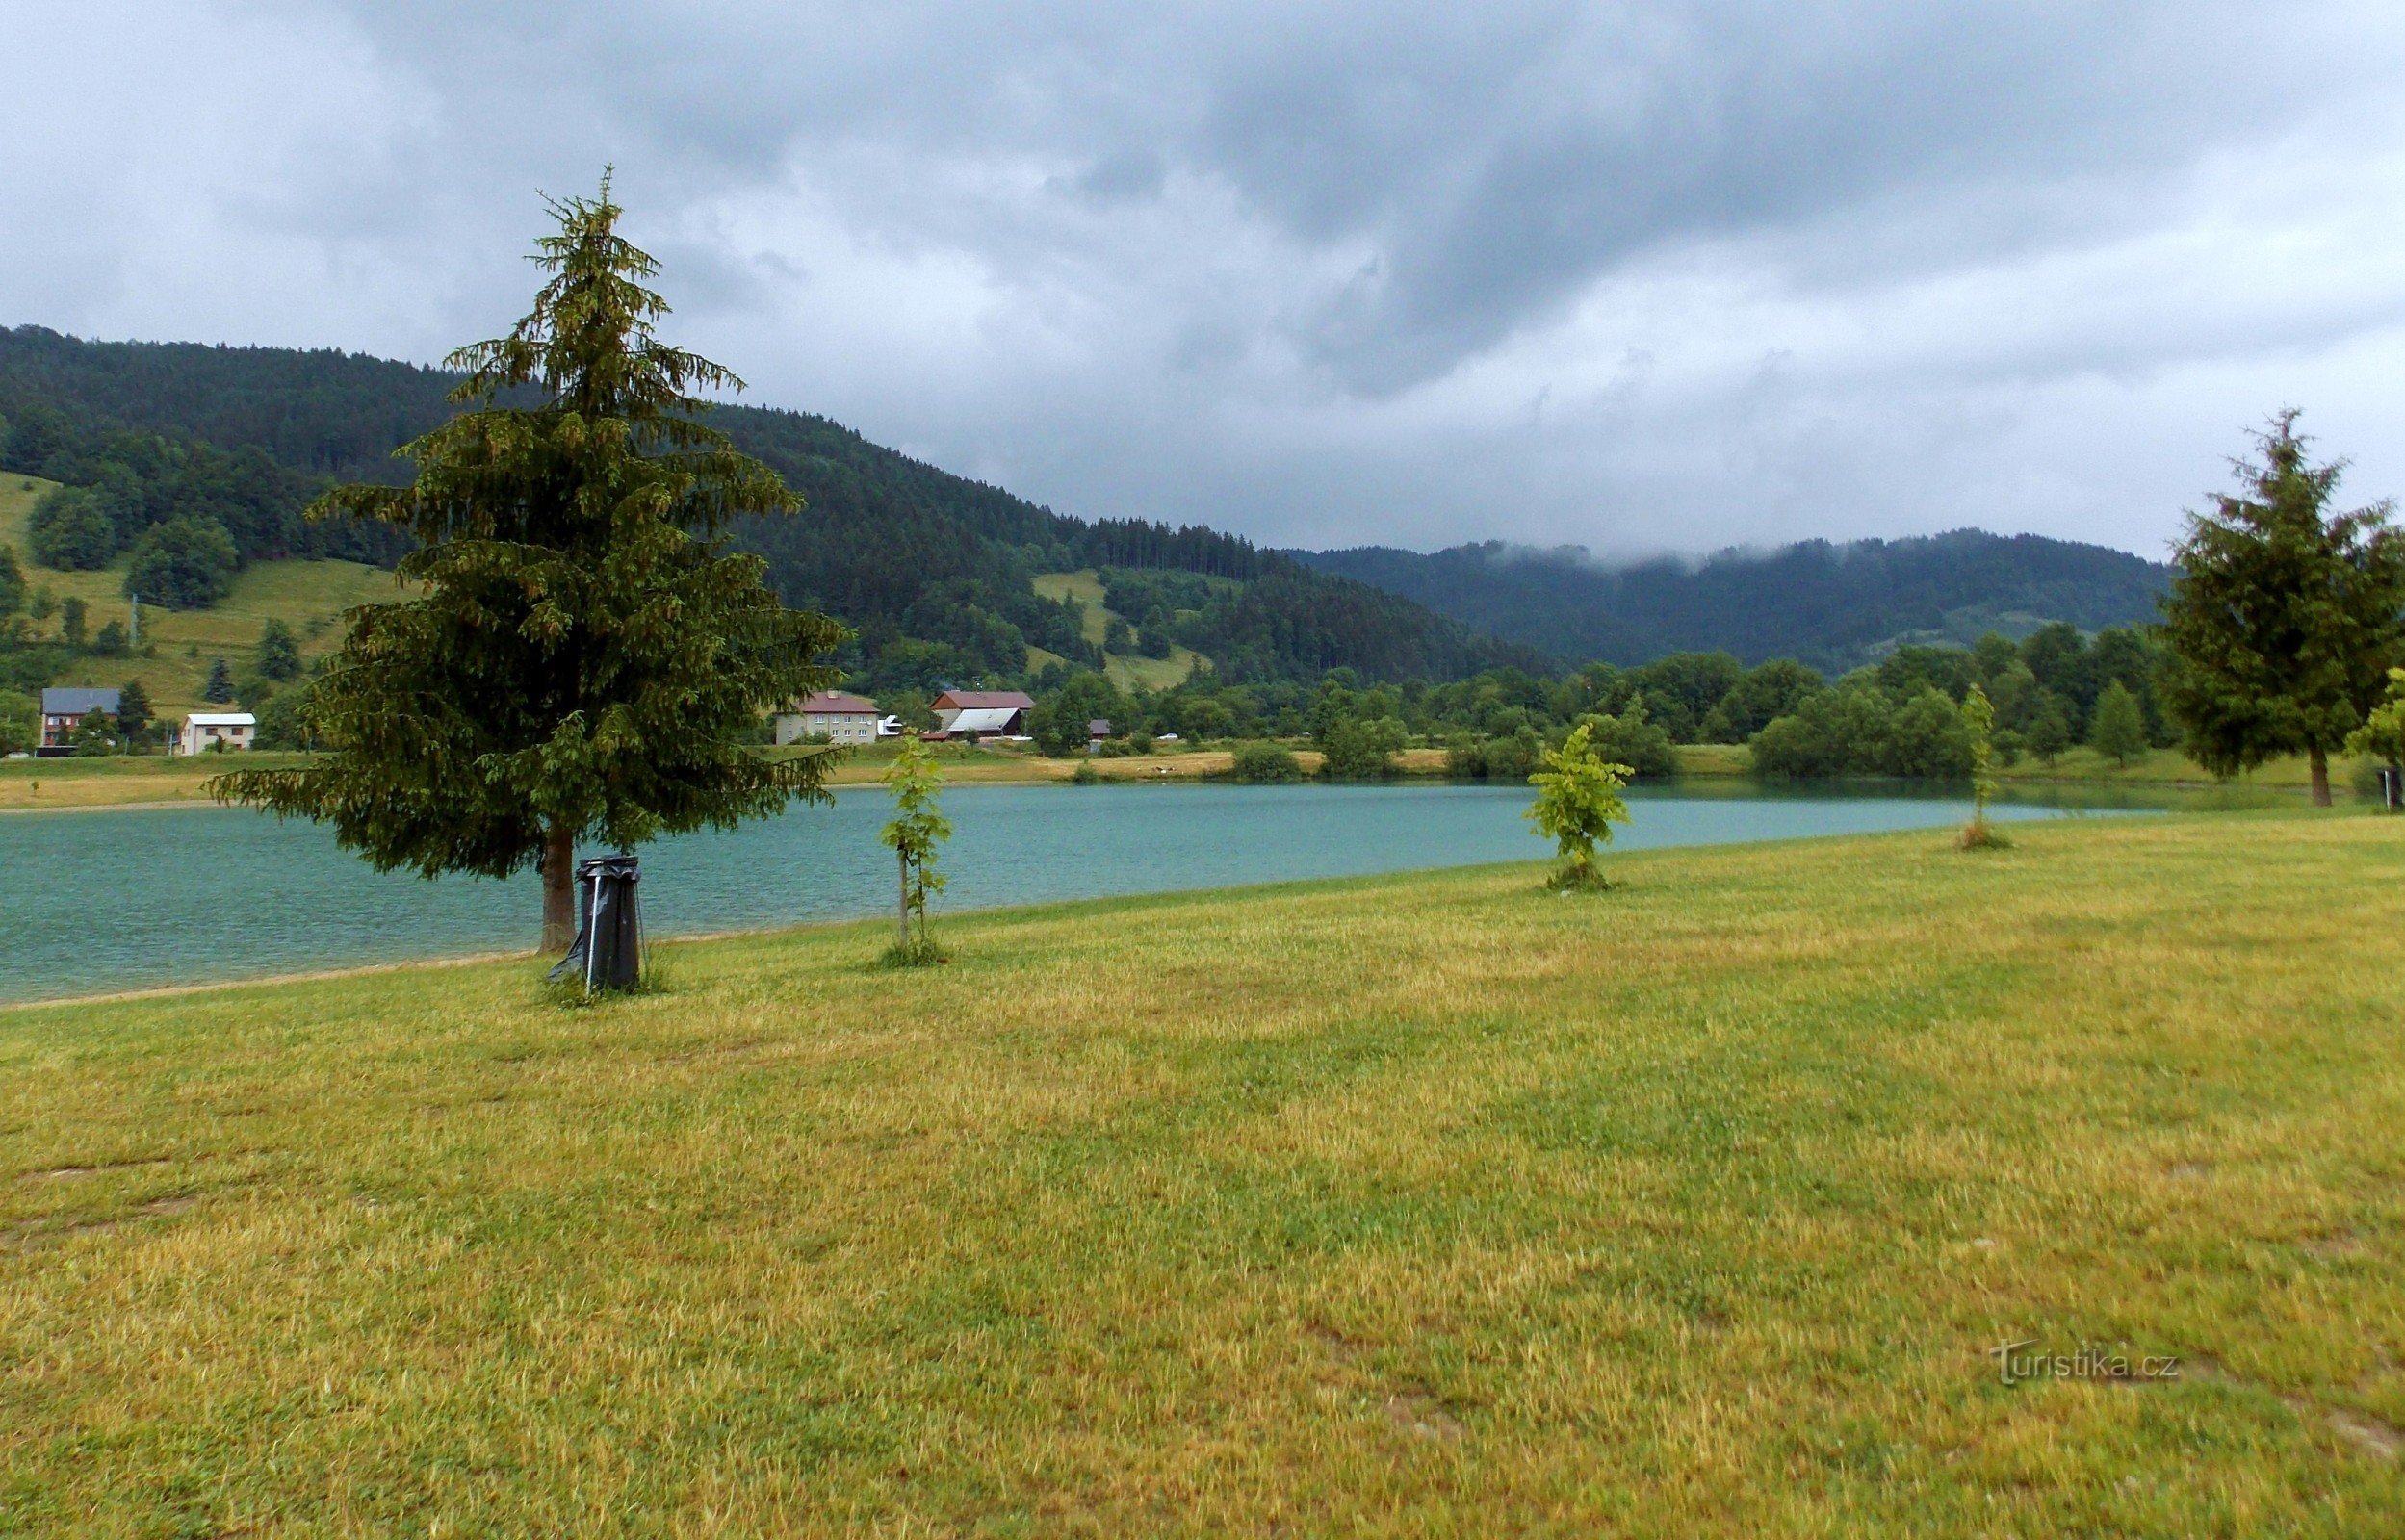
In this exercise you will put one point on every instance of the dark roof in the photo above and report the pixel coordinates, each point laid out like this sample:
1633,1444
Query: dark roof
78,700
1098,726
835,703
985,700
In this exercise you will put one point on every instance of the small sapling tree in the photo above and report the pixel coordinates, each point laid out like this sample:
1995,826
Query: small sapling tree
1979,715
917,827
1578,801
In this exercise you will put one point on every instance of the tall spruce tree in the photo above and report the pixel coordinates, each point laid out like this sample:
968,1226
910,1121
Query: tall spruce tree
2285,618
587,662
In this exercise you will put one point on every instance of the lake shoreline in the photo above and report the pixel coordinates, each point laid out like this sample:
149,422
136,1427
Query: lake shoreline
243,896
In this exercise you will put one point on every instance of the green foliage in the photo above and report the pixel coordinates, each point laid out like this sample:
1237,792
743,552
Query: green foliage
1059,721
917,827
1894,720
1978,720
20,721
73,617
2383,733
2048,732
1578,801
284,722
1764,694
95,735
585,660
1929,740
219,689
1503,758
1841,731
69,532
109,640
1265,764
11,582
280,652
1360,748
133,710
182,563
2286,617
2117,731
1861,730
1631,739
1085,775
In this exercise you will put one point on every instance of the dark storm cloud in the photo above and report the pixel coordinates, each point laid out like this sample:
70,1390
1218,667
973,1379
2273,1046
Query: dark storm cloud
1330,272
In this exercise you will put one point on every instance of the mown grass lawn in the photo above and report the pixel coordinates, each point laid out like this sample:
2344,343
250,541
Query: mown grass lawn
1420,1205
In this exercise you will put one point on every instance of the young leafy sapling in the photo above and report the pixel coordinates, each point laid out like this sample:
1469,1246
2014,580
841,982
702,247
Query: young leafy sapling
1979,715
1578,801
917,827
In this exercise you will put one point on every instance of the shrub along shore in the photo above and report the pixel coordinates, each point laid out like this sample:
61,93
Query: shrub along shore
1423,1204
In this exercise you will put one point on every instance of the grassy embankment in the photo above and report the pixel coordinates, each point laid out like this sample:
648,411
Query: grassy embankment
1126,671
308,596
1419,1205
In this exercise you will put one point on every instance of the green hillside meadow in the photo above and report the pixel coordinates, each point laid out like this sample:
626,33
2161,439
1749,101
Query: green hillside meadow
1423,1205
308,596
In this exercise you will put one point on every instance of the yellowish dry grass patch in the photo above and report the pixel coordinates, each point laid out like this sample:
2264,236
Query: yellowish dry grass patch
1420,1205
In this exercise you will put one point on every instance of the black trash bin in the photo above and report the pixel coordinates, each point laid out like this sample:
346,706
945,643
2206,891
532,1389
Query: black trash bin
609,949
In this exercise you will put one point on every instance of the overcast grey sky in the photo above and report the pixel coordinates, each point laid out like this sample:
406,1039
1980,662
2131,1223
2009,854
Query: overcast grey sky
1669,274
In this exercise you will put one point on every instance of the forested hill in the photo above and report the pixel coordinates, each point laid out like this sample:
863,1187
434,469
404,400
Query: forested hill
934,571
1831,605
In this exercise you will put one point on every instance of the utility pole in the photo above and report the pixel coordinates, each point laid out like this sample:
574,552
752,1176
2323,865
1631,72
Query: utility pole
135,644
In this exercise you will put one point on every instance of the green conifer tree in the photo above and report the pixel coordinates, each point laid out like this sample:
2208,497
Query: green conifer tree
133,710
585,660
280,652
2285,618
220,690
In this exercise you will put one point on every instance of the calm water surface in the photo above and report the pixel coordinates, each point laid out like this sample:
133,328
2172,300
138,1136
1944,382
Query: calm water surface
104,901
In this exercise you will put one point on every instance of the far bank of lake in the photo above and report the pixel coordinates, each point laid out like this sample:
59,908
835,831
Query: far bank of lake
119,900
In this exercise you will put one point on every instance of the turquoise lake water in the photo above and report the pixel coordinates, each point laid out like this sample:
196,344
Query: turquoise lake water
96,902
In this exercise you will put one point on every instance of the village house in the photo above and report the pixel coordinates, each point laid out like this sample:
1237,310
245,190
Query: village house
62,709
203,731
981,713
834,716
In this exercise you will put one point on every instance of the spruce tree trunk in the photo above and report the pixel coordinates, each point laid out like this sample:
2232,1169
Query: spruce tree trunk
2321,777
902,922
558,869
